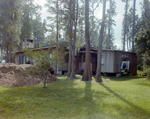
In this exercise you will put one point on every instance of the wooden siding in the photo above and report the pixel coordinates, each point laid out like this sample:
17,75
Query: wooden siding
108,61
119,57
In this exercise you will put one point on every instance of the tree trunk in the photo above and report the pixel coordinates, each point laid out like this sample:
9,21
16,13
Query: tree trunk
133,33
125,32
44,82
73,62
70,37
7,60
92,34
69,64
55,72
74,42
98,71
127,43
108,41
87,68
10,50
1,53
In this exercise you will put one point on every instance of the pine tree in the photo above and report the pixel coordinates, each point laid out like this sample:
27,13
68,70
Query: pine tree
87,68
124,24
11,12
99,58
133,29
111,13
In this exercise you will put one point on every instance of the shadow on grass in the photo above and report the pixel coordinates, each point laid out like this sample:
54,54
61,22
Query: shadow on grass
124,78
137,109
144,84
88,97
59,100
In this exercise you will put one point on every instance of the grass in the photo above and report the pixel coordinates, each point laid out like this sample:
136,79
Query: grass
124,97
80,77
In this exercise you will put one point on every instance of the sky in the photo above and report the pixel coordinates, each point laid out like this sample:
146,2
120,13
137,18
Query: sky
118,18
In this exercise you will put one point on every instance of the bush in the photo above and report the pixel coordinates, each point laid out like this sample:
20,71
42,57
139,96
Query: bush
44,62
144,73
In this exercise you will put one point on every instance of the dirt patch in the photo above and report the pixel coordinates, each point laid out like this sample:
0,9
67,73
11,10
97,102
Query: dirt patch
9,77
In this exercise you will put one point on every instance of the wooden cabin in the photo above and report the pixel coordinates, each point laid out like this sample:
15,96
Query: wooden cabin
113,61
21,58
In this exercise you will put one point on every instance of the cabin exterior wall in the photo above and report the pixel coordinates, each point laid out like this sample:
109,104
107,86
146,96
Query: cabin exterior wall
107,61
111,60
120,56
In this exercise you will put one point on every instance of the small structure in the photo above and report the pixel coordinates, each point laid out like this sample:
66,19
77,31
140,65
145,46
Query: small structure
113,61
21,58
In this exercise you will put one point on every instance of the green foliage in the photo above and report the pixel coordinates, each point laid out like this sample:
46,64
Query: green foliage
29,9
145,72
10,22
142,41
43,61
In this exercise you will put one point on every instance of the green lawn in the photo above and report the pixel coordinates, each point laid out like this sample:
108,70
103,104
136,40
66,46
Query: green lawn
122,98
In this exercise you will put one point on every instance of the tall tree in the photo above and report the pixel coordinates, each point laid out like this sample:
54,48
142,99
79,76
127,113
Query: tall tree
11,12
75,20
145,13
29,11
54,18
57,33
125,23
99,58
133,29
94,4
70,24
39,29
111,13
87,68
80,29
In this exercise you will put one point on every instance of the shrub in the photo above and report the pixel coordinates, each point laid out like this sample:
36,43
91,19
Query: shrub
44,62
144,73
